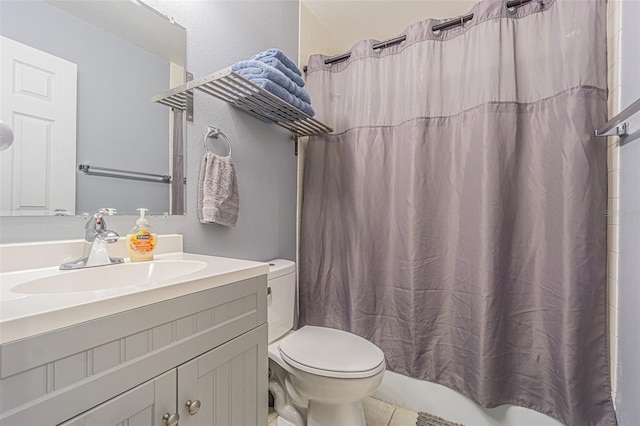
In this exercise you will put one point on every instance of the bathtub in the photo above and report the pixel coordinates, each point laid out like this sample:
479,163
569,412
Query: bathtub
418,395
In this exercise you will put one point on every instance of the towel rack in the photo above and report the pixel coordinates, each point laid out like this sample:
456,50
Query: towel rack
617,125
123,174
241,93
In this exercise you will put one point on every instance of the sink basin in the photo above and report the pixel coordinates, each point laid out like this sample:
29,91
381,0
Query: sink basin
112,276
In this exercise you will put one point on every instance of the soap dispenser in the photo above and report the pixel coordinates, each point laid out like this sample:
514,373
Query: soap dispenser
141,240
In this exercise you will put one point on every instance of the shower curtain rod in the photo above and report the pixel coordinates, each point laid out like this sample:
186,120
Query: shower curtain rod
452,23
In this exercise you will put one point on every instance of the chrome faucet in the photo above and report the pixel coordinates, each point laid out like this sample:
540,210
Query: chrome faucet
96,238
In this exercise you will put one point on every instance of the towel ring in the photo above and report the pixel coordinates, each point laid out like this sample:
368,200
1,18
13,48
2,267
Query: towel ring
214,132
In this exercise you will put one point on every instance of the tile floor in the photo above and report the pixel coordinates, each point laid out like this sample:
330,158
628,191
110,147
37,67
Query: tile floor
380,413
377,413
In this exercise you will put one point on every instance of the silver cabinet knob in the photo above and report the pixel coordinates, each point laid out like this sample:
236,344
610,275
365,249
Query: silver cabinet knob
171,419
192,406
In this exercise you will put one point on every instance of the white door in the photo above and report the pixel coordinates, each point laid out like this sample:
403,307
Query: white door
38,101
229,383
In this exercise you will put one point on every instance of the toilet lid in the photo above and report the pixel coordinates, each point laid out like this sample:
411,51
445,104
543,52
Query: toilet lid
332,353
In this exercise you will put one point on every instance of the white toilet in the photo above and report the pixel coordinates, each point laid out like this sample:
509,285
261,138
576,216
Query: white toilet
317,375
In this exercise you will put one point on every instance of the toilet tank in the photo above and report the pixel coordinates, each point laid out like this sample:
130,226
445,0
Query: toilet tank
281,297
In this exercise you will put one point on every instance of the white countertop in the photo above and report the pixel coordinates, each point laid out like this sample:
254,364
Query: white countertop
25,315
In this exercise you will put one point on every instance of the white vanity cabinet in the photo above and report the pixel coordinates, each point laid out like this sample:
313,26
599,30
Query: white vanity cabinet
133,367
217,388
144,405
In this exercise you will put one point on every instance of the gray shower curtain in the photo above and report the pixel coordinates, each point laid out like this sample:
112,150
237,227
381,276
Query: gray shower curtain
456,216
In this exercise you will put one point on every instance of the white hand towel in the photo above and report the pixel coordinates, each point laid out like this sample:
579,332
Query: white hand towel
218,198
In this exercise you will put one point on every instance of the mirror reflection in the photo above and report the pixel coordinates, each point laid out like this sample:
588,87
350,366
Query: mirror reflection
78,77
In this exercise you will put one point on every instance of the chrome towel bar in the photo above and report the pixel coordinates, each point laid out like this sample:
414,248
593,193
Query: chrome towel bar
123,174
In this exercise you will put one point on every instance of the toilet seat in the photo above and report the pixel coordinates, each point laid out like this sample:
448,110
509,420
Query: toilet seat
332,353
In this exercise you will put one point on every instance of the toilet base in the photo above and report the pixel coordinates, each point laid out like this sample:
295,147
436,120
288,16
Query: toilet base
335,415
282,422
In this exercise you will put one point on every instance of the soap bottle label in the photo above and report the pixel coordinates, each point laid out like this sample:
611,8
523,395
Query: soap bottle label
142,242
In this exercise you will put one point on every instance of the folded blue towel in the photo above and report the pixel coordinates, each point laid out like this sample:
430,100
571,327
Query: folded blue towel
298,91
284,94
278,54
257,69
275,62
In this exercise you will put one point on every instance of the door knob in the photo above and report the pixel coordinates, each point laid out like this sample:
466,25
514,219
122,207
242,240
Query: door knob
171,419
192,406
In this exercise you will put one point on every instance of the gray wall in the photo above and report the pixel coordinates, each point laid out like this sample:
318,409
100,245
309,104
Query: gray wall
628,395
218,34
117,126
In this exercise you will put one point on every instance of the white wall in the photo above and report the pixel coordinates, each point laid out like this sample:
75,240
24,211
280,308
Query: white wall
613,166
315,37
349,21
218,34
628,269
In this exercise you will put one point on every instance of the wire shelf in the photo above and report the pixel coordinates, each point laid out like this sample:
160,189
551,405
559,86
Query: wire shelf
249,97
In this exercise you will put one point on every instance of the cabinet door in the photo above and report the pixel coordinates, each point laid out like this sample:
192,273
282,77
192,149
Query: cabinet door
229,383
144,405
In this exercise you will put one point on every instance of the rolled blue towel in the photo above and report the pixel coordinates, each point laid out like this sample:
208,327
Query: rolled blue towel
275,62
284,94
257,69
279,55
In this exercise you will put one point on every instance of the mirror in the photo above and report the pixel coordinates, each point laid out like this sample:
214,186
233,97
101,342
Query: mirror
78,77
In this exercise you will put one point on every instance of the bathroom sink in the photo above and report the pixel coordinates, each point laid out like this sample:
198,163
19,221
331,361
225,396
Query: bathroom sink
37,297
107,277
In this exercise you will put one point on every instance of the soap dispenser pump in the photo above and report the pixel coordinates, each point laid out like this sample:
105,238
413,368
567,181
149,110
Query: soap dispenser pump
141,240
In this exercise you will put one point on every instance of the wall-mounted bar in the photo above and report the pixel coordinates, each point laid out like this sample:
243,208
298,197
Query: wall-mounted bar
123,174
452,23
393,41
339,58
616,126
516,3
390,42
381,45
